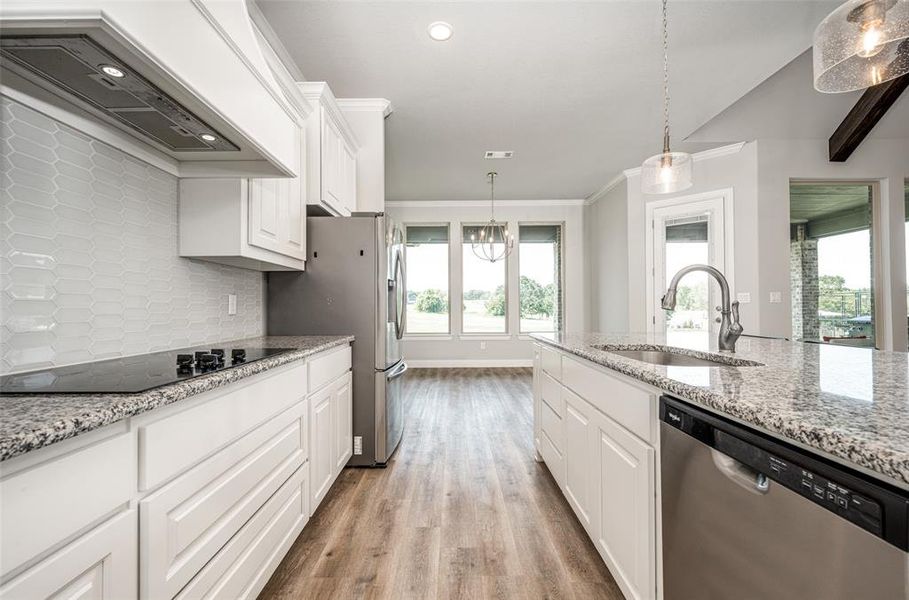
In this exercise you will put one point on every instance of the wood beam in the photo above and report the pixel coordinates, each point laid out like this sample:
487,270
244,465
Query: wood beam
869,109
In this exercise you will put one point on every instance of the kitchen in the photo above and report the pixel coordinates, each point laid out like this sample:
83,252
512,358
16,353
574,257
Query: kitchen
428,322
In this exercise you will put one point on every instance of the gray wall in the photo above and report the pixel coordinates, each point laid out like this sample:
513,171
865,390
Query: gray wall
606,223
89,255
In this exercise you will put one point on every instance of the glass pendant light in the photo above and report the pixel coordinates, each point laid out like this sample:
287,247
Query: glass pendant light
860,44
668,171
492,242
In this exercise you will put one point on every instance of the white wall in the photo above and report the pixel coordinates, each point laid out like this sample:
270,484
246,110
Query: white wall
508,349
606,223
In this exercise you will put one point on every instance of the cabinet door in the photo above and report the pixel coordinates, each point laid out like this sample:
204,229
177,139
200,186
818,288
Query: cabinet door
349,178
626,512
266,205
537,398
579,431
321,450
98,565
331,163
343,400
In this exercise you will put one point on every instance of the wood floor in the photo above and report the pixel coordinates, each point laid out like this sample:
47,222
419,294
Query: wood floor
462,511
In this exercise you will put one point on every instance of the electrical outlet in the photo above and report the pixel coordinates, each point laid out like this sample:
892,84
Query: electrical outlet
776,297
743,297
231,304
482,345
358,445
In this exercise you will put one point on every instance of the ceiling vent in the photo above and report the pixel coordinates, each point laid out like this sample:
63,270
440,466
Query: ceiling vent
499,153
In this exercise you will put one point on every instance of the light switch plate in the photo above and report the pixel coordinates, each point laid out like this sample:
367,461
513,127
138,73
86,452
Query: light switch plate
743,297
231,304
776,297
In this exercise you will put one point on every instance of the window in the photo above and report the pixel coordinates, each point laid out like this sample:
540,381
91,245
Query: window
427,279
540,267
485,301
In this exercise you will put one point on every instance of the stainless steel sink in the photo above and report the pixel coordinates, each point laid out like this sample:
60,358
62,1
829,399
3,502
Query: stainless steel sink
676,359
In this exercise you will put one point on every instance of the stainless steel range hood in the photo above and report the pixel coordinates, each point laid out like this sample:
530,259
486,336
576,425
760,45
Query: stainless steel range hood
79,66
181,84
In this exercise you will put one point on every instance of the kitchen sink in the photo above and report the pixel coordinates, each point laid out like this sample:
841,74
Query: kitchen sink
669,358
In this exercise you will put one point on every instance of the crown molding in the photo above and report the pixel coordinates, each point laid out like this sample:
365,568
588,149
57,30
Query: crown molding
366,105
265,28
696,157
319,93
481,203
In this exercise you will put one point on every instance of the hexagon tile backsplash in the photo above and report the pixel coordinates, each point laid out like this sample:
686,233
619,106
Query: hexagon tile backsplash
89,266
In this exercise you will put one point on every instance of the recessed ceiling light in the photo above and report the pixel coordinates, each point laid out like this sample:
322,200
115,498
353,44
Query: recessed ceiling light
440,31
208,137
113,71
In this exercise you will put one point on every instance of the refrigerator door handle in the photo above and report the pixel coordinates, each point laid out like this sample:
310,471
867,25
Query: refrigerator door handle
400,284
397,371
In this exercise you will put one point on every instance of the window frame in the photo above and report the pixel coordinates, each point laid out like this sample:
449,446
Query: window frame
437,335
482,334
560,326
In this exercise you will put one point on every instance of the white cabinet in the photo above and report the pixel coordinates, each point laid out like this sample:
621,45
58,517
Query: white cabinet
331,154
331,432
626,513
256,224
99,565
366,117
343,407
597,438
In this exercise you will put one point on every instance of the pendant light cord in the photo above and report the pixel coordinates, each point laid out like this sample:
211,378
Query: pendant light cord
492,194
665,77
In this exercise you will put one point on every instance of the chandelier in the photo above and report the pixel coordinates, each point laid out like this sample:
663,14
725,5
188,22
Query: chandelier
668,171
860,44
494,242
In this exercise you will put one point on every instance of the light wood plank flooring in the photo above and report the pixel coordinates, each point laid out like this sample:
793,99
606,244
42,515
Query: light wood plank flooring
462,511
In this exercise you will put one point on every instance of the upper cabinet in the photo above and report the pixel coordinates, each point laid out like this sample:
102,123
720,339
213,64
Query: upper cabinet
366,117
184,85
332,154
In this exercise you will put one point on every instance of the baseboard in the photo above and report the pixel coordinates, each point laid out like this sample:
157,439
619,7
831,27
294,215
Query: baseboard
469,363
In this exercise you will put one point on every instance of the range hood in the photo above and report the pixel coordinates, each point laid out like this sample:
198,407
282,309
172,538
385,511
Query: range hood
79,66
181,84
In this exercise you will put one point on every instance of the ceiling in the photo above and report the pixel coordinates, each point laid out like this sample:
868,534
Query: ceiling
574,88
809,201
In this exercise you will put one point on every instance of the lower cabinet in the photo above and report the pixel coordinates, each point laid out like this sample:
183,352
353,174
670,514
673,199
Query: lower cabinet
331,432
606,472
100,564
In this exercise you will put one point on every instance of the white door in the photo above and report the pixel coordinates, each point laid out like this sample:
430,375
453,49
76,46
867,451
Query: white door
343,402
321,450
626,512
331,163
579,430
265,213
685,231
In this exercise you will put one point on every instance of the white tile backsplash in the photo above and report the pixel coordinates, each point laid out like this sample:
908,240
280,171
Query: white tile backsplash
89,267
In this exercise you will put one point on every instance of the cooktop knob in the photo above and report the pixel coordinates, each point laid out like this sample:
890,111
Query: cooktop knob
209,362
238,355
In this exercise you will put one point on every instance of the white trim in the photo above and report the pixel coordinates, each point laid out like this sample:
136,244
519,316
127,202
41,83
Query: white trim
727,199
426,337
470,363
628,173
480,203
319,92
277,46
366,105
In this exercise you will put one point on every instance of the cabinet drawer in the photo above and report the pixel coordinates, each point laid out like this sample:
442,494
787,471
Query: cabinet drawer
44,505
552,362
177,441
553,459
328,366
185,523
552,426
243,566
100,564
551,392
630,406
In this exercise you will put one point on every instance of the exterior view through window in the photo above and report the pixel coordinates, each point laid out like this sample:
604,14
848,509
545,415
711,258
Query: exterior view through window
687,243
540,290
427,279
831,263
485,301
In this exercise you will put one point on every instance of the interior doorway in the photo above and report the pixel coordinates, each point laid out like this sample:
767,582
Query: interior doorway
684,231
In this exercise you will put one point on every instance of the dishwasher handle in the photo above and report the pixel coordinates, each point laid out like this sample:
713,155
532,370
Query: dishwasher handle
751,480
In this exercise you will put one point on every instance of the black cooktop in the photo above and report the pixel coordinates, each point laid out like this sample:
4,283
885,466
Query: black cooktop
133,374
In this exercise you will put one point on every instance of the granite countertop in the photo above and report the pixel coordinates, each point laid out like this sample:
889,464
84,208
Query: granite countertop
849,403
29,422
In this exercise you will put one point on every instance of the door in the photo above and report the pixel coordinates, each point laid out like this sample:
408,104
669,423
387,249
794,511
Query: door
578,446
321,450
389,410
331,163
265,213
343,406
626,512
686,231
395,295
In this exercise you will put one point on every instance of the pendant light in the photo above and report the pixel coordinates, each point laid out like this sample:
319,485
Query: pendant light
667,171
860,44
492,242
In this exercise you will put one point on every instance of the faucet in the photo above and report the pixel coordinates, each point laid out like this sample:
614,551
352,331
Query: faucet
730,328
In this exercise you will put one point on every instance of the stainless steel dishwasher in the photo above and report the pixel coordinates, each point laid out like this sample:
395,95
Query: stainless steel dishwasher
747,517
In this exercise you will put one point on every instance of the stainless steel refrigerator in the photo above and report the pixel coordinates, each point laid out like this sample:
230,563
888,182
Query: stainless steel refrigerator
354,283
